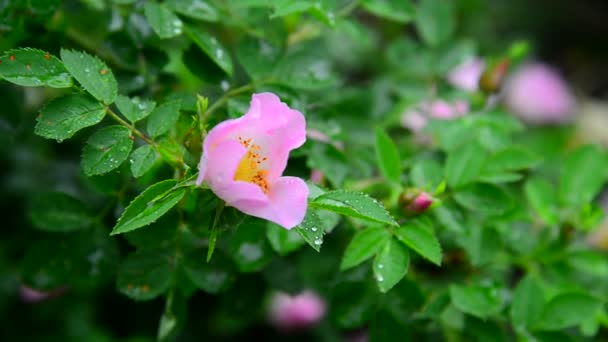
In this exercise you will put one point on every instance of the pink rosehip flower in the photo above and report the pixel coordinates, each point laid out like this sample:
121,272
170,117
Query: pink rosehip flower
243,160
416,119
466,75
296,312
538,94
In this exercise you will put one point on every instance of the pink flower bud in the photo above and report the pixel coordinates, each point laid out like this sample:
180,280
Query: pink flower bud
538,94
243,161
316,176
416,118
466,75
296,312
421,203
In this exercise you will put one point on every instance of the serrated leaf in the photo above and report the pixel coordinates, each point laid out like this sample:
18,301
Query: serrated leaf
512,158
396,10
354,204
34,68
142,159
63,117
582,176
196,9
106,149
311,229
58,212
463,165
93,74
484,198
528,302
134,109
421,238
391,264
435,21
590,262
211,47
145,275
151,204
388,156
163,118
479,301
212,277
567,310
162,20
543,198
363,246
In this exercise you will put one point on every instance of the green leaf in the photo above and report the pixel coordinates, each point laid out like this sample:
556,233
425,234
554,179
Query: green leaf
167,324
305,68
258,57
482,243
363,246
421,238
145,275
106,149
63,117
212,277
388,156
286,7
479,301
284,241
354,204
590,262
391,265
384,327
162,20
151,204
210,46
58,212
134,109
163,118
195,9
582,176
353,304
312,229
463,165
435,21
528,302
542,197
94,76
502,177
248,246
426,174
29,67
142,159
484,198
567,310
512,158
396,10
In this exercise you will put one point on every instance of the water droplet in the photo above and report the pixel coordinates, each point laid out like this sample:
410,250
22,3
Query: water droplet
141,106
380,278
177,30
87,70
318,242
177,23
314,229
380,266
219,53
225,85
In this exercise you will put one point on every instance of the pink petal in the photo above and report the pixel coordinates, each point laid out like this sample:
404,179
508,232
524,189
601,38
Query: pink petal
221,166
466,75
286,205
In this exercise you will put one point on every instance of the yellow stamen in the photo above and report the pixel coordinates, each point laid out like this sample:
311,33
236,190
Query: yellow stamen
249,167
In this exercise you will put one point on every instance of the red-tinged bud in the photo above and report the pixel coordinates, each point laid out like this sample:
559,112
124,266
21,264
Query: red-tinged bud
494,76
415,201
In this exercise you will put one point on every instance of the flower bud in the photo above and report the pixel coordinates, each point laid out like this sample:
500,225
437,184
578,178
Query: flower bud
493,77
466,75
415,202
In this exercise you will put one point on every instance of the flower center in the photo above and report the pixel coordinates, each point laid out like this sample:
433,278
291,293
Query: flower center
249,168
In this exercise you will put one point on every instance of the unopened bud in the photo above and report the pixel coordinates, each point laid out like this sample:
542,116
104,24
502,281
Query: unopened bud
493,77
414,201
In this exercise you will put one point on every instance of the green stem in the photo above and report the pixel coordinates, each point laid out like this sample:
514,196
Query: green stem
346,10
213,236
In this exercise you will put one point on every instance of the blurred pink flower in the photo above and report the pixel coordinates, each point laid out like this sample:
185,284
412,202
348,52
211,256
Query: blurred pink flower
421,203
243,160
29,295
466,75
416,118
296,312
538,94
316,176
